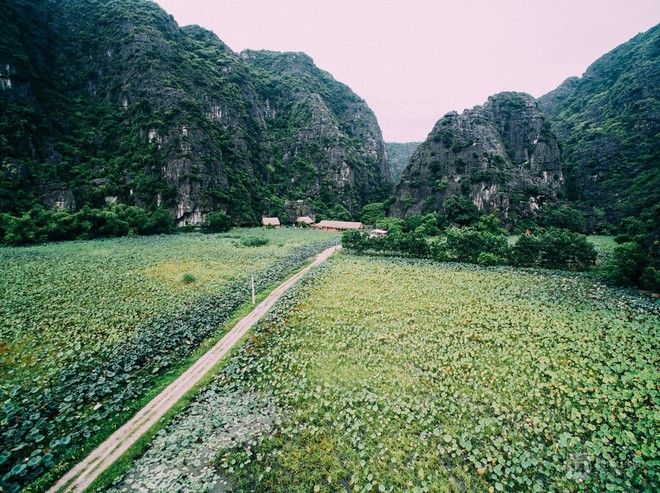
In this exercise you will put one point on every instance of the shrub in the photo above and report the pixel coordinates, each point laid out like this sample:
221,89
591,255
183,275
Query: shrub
633,230
563,249
216,222
391,224
554,249
526,252
372,213
255,241
160,222
188,278
465,244
426,224
627,264
413,244
486,258
340,213
563,217
353,240
650,279
490,223
460,210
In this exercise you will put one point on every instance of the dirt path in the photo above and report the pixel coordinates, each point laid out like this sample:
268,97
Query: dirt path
83,474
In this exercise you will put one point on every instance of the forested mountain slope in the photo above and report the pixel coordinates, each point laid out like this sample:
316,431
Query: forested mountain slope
107,102
608,122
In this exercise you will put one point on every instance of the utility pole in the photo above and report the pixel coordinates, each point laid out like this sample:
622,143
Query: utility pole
252,278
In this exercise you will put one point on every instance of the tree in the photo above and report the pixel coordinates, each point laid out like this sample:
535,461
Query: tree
216,222
460,210
466,244
554,249
372,213
340,213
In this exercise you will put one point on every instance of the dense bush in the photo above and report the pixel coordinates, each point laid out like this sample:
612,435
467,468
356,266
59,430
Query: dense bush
254,241
635,261
427,224
466,244
40,225
340,213
526,252
460,210
391,224
372,213
563,217
554,249
627,264
353,240
216,222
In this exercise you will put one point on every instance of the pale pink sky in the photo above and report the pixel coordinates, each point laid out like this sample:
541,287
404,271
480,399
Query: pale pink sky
415,60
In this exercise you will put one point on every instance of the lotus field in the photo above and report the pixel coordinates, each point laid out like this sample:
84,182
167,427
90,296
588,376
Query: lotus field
389,375
86,328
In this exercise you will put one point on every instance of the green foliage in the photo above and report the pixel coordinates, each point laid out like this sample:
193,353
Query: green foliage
554,249
353,240
372,213
467,244
391,224
216,222
188,278
527,251
563,217
491,224
635,262
487,259
628,263
40,225
340,213
255,241
650,278
633,230
460,210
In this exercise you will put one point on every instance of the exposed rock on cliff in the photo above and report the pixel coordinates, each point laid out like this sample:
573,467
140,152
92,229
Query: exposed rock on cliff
503,156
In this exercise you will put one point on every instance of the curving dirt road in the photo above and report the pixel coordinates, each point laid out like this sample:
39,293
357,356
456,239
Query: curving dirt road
84,473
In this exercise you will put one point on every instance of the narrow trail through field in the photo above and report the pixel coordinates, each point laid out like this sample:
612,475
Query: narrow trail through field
82,475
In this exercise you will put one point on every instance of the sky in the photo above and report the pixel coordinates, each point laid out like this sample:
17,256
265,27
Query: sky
415,60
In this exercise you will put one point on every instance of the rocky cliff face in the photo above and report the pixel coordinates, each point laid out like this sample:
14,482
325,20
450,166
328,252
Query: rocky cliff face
325,138
503,156
608,122
110,102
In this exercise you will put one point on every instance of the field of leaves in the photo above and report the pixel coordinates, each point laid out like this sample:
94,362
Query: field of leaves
392,375
86,327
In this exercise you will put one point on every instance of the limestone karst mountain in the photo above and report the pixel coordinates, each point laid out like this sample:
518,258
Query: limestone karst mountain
106,102
502,155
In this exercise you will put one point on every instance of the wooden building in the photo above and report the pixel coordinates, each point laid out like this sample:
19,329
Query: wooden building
338,225
270,222
304,221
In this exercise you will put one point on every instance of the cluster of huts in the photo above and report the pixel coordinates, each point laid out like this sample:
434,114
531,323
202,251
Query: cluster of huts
306,221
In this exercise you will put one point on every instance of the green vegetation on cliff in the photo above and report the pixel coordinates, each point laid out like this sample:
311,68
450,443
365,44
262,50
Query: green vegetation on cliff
398,155
607,122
